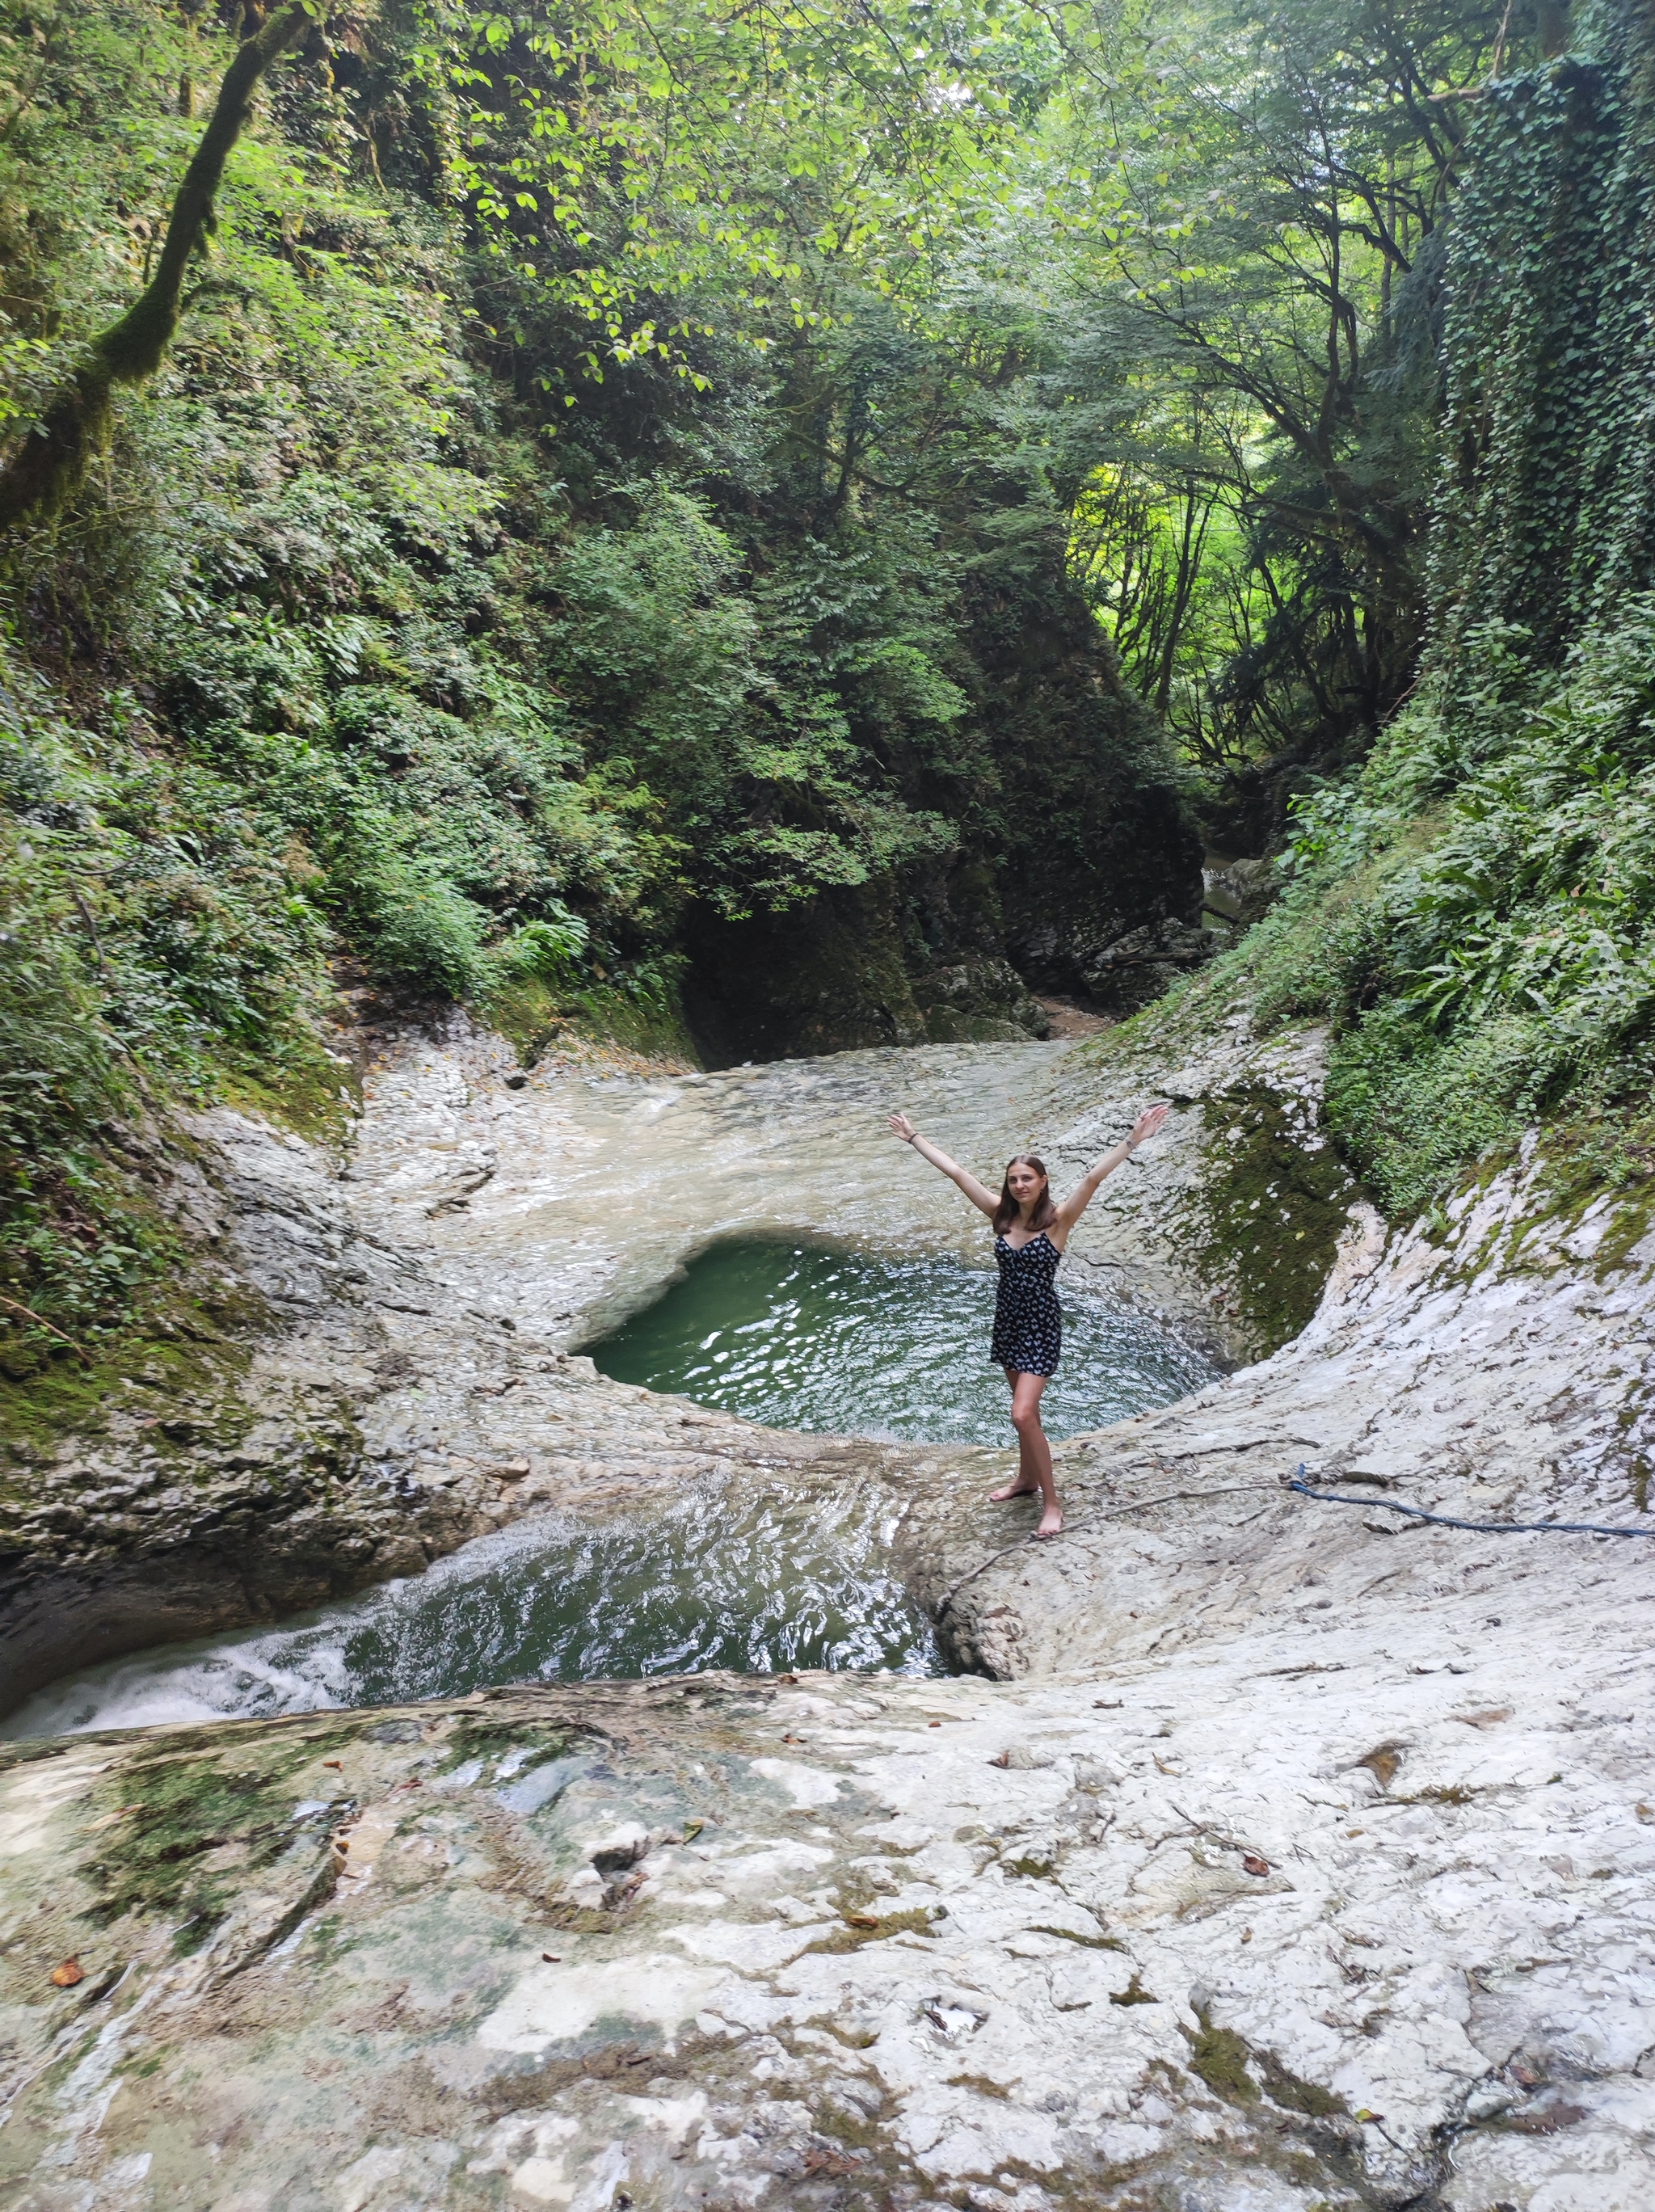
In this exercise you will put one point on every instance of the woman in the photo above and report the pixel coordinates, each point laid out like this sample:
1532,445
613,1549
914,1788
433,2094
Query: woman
1030,1234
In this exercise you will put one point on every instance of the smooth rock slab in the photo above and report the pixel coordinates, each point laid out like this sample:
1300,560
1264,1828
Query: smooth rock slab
807,1941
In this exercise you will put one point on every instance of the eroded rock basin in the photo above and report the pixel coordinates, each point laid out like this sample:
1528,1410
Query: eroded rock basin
1291,1862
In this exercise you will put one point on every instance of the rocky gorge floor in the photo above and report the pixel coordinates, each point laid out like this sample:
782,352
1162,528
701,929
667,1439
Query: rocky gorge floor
1281,1855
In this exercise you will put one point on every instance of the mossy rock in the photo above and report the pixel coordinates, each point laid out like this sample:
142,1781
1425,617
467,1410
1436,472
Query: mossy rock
1266,1219
1219,2057
944,1026
1222,2058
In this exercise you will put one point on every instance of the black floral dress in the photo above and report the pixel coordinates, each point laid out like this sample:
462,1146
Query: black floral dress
1027,1319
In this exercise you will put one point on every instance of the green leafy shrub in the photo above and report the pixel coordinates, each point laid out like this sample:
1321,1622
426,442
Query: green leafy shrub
747,710
1488,956
546,948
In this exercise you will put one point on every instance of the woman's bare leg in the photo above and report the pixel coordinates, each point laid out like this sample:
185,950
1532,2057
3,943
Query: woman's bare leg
1033,1452
1026,1482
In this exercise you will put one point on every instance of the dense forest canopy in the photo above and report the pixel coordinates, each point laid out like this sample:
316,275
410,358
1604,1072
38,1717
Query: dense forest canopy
797,521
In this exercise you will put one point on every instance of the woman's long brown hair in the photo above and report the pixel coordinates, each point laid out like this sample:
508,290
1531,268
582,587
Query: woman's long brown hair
1007,1210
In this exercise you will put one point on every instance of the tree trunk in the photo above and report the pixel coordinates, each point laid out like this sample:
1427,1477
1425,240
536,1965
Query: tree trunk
46,469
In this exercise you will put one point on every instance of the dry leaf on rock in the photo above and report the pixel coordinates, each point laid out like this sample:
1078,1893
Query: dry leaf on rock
1382,1762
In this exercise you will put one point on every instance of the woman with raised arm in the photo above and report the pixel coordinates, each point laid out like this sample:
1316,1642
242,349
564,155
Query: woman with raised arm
1030,1233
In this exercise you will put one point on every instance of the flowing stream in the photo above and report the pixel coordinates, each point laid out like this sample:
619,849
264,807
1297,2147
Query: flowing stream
759,1582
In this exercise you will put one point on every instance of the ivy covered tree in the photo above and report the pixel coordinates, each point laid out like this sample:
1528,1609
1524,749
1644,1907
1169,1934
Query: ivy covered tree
1547,516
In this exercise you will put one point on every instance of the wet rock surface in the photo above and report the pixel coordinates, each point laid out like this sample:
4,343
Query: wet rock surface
1298,1858
1498,1370
1143,965
854,1942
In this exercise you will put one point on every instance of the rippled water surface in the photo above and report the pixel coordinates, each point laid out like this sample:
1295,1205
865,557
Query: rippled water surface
760,1582
802,1337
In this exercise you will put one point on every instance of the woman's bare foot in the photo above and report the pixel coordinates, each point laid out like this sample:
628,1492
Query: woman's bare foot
1051,1521
1018,1489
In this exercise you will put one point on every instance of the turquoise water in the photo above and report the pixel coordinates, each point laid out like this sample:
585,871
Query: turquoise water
801,1336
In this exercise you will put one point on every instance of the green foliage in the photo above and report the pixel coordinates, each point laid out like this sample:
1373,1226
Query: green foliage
1416,1110
337,650
625,522
1249,276
1548,503
142,922
740,710
1476,910
546,949
631,164
1168,564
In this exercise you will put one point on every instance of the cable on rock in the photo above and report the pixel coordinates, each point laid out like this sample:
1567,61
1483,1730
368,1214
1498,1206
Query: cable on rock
1448,1521
1079,1521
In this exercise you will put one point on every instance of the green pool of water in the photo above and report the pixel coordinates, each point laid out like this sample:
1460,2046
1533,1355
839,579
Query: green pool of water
801,1336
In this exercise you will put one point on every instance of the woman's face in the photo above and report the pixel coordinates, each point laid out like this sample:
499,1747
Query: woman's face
1024,1184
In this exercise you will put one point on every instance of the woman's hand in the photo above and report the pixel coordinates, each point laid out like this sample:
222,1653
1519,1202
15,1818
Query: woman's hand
1147,1124
904,1127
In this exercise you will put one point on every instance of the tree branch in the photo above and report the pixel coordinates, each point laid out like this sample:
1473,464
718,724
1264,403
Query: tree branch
29,1314
46,468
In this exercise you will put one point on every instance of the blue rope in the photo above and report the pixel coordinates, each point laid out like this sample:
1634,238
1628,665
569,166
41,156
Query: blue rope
1484,1528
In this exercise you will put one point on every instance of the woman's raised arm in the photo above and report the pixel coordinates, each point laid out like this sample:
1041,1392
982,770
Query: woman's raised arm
979,1193
1087,1189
